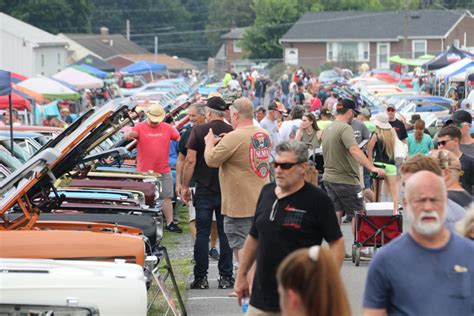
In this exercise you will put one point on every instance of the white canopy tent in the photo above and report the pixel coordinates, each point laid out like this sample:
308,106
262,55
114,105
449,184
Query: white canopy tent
79,79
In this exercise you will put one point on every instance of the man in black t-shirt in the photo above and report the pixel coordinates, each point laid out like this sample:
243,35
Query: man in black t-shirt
396,123
207,198
290,214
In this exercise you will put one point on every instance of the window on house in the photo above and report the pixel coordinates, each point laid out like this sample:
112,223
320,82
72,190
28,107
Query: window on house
456,43
418,48
348,51
237,48
330,52
42,60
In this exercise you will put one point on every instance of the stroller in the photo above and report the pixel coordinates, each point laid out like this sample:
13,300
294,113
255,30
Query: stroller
376,225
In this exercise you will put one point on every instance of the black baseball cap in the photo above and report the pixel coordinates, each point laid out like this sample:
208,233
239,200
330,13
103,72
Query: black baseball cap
217,103
347,104
460,116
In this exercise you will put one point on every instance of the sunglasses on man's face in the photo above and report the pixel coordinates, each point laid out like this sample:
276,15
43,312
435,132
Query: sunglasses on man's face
285,165
390,110
443,142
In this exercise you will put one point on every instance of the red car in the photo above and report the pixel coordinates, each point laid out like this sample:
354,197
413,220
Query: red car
390,76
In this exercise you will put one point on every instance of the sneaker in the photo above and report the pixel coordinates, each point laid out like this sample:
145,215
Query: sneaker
173,228
214,254
200,284
347,257
226,282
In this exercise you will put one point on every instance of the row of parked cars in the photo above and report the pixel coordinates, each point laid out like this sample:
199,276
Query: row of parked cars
379,88
79,235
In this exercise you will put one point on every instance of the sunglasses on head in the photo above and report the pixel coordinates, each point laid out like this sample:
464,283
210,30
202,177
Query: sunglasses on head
285,165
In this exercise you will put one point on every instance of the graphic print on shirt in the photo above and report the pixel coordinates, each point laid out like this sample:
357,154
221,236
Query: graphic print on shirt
259,152
293,217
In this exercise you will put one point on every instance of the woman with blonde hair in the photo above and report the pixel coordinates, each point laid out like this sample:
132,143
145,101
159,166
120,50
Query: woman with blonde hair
381,149
418,141
451,172
309,284
465,227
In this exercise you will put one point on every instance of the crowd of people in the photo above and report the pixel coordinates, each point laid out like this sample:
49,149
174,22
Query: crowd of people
241,169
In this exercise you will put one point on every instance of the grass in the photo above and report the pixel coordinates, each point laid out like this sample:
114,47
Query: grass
181,266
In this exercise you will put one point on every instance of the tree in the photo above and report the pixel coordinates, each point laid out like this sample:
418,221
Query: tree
272,19
225,14
53,16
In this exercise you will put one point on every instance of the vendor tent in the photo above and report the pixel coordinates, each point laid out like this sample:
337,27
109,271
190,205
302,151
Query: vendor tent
20,102
410,62
462,75
91,71
95,62
143,67
79,79
454,68
48,88
446,58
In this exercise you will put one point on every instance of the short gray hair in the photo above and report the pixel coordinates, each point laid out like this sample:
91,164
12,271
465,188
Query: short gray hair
200,108
296,147
216,112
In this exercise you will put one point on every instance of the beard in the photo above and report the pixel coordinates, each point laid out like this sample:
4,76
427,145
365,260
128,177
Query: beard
426,228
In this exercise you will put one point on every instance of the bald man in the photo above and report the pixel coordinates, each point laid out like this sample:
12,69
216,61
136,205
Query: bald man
429,270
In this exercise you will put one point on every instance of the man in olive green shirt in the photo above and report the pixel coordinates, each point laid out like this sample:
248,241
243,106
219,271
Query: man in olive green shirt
341,157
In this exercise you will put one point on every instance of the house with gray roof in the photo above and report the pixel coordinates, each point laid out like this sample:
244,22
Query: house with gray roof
105,45
372,37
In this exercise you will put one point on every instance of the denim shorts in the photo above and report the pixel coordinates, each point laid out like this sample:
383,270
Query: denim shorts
237,230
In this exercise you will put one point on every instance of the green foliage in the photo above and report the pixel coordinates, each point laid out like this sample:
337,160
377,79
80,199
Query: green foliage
53,16
225,14
272,19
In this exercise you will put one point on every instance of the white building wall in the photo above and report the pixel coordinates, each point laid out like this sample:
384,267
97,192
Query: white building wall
16,54
49,60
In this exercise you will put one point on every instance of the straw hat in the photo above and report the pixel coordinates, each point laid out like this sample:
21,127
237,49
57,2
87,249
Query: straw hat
381,121
155,113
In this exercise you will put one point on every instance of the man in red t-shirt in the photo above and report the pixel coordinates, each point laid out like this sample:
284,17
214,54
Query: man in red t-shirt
153,149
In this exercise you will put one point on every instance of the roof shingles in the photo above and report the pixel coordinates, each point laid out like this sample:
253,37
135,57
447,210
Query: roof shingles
385,25
115,44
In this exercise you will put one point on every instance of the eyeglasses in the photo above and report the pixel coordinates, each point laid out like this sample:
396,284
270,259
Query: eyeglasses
285,165
443,142
390,110
274,210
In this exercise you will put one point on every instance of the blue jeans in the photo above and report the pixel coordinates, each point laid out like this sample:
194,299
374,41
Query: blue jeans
206,202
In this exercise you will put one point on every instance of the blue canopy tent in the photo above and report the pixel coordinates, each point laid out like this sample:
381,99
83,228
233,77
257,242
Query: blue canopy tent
91,70
142,66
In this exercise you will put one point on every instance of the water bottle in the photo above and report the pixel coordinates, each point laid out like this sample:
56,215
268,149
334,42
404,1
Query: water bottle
245,304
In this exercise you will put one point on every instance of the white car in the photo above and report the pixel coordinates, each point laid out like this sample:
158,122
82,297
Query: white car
78,287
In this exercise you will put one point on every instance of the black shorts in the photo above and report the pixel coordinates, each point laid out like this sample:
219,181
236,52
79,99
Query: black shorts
347,198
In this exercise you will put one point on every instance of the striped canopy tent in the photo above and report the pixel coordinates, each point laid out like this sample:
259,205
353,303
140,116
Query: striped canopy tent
48,88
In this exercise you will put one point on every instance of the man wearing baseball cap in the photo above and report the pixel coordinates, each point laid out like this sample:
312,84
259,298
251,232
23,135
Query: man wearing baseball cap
463,120
153,150
341,157
270,122
396,123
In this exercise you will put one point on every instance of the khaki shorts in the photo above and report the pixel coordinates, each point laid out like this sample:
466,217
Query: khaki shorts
236,230
253,311
166,186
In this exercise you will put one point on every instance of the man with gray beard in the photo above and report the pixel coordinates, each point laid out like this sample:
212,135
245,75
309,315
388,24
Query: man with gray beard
429,270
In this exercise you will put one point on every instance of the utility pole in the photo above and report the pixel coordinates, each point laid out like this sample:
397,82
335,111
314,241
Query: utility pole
156,49
405,30
127,27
